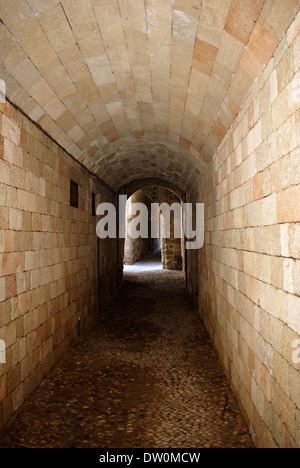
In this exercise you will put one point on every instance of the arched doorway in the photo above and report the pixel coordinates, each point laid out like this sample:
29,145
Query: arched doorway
163,203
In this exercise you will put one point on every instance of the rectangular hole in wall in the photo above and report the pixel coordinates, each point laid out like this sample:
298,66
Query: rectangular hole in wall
73,194
93,204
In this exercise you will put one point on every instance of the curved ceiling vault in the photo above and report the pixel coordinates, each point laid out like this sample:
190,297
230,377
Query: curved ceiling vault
137,88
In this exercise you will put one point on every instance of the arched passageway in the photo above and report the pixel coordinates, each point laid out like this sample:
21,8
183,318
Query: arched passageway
147,377
100,98
155,221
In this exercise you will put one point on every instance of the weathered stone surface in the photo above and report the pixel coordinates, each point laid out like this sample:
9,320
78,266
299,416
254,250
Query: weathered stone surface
204,95
249,295
48,261
134,76
145,378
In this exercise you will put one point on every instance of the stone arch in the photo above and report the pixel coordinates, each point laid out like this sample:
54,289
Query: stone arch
138,184
172,248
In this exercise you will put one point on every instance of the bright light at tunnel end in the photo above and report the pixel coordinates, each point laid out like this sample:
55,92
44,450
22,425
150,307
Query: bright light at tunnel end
188,221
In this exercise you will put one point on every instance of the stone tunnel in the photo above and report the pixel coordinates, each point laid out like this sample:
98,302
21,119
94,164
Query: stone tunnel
186,101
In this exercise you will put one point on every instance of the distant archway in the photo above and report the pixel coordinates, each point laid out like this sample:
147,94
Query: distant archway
138,184
172,247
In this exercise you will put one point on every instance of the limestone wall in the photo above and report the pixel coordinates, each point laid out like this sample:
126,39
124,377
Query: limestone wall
249,267
49,275
172,247
135,249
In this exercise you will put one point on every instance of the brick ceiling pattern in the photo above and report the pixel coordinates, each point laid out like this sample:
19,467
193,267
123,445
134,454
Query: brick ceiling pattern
137,88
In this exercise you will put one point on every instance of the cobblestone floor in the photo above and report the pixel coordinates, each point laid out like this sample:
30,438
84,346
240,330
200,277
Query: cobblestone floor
148,377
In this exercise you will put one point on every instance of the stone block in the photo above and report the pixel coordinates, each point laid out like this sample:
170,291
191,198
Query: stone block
16,219
241,18
258,186
3,387
280,109
184,27
11,286
6,108
285,69
204,57
18,397
265,382
2,290
9,241
12,153
294,313
11,262
230,52
269,210
42,92
10,333
291,126
10,130
273,83
272,10
294,382
259,50
288,205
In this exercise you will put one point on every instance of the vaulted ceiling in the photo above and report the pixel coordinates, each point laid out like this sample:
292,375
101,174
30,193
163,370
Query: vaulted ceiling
137,88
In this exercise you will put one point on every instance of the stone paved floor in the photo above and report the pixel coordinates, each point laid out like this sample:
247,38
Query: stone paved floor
147,377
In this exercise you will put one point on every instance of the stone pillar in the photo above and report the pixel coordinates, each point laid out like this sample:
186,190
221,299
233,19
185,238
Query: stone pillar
171,247
135,249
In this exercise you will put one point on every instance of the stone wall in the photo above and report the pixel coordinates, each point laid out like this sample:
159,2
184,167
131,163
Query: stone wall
49,276
249,266
192,260
171,247
135,249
